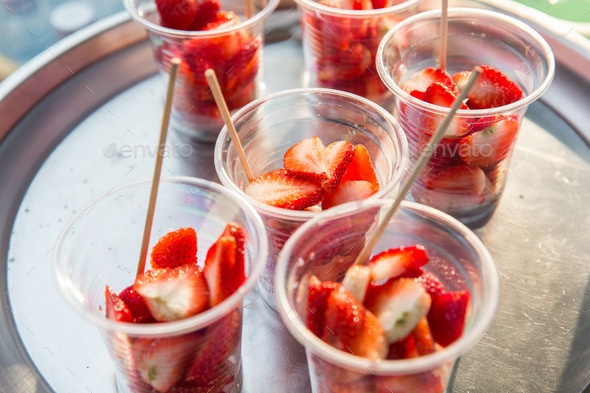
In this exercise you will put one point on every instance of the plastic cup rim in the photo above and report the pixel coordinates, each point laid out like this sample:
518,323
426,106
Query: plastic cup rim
169,32
182,326
303,215
463,11
388,367
314,5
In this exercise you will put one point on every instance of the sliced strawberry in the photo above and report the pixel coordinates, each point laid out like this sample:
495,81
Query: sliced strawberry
177,14
306,156
399,304
447,316
493,89
403,349
357,280
139,310
236,273
461,179
490,145
175,248
317,297
206,13
174,293
350,327
115,307
162,362
223,20
397,262
431,284
282,188
349,191
337,156
439,94
362,5
310,155
380,4
423,338
219,263
461,78
361,167
427,77
213,362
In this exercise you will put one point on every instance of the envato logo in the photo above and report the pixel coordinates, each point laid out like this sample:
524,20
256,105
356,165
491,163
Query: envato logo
145,151
447,150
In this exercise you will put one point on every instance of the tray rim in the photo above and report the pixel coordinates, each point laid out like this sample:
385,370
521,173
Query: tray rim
572,47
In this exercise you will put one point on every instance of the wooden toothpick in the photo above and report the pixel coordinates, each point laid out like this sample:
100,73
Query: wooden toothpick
444,23
149,219
422,160
221,104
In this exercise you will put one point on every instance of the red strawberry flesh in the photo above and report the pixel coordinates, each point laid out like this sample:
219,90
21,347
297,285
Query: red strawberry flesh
447,316
175,249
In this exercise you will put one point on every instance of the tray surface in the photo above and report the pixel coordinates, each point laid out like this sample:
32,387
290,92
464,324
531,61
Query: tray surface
85,138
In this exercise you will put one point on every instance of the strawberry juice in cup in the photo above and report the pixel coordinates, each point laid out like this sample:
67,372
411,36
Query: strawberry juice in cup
430,292
173,328
205,34
340,41
467,172
272,128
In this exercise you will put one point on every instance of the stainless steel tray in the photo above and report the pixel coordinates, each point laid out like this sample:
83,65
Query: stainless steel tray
83,117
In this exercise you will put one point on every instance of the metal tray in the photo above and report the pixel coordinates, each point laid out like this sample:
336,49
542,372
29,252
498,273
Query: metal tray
83,117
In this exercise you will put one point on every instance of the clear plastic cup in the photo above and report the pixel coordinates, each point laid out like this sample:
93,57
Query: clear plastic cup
456,256
340,45
476,37
234,53
100,246
269,126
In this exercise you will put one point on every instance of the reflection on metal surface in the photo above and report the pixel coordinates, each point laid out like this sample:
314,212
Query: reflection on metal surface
59,154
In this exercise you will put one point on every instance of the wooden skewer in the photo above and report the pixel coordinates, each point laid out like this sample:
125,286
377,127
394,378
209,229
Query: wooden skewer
420,164
221,104
248,9
444,23
149,219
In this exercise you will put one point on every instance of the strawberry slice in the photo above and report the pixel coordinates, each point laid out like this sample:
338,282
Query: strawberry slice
330,162
317,297
223,20
350,327
397,262
349,191
423,338
399,304
403,349
439,94
493,89
282,188
175,248
224,264
115,307
460,179
306,156
357,280
139,310
207,11
212,363
162,362
177,14
427,77
361,167
490,145
174,293
461,78
236,273
431,284
447,316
